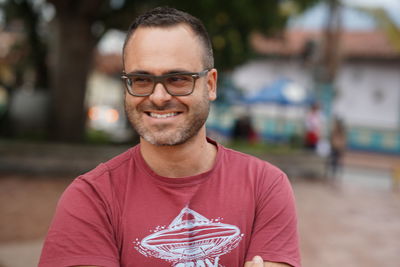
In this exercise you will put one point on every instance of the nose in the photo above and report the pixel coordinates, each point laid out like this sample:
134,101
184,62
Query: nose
160,95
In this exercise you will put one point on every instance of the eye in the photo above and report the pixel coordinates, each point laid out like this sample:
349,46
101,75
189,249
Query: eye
178,79
141,80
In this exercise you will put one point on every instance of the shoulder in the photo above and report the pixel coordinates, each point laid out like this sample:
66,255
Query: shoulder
252,164
118,164
106,179
250,173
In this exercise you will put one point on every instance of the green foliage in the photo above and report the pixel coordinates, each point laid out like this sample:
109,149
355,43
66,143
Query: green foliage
97,137
386,23
31,50
231,22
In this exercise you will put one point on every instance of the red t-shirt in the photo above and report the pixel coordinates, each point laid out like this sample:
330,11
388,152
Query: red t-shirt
123,214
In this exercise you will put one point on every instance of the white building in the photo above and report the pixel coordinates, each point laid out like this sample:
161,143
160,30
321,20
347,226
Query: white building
367,84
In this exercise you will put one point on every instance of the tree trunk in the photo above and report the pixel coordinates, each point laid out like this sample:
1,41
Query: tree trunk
332,41
71,62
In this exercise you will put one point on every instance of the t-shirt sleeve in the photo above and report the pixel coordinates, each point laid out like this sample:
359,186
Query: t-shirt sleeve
81,232
275,231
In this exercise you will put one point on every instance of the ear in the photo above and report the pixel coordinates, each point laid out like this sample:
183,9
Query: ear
212,77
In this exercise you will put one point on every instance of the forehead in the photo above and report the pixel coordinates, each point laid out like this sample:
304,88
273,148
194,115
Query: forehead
158,49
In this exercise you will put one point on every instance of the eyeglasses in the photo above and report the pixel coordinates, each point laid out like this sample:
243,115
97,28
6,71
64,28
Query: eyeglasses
176,84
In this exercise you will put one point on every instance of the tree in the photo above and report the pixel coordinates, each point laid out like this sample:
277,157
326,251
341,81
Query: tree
33,50
77,26
386,23
73,43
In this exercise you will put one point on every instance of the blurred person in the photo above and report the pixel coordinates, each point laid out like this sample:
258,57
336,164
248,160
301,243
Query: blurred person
243,129
338,142
178,198
313,125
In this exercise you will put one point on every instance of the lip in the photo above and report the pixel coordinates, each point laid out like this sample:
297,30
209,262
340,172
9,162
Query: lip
163,115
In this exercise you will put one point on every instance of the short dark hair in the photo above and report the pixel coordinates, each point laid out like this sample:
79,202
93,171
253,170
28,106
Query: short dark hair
167,17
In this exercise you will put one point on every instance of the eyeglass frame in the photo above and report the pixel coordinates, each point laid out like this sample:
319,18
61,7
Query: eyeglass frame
156,79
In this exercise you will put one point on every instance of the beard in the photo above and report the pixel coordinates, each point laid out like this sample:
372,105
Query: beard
164,134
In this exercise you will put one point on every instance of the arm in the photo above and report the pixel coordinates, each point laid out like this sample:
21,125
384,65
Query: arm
258,262
82,230
274,234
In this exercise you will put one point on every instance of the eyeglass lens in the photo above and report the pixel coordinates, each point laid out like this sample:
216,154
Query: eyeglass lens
180,84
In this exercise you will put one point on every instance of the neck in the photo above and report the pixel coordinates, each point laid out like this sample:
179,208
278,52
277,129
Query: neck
193,157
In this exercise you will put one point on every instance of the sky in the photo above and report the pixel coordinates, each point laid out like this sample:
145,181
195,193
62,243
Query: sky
391,6
352,18
382,3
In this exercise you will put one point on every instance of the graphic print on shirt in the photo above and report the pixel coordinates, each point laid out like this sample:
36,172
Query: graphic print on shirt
191,240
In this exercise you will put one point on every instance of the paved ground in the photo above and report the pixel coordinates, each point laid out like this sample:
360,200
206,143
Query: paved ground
354,222
350,225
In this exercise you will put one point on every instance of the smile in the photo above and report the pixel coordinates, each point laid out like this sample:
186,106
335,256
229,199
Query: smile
162,116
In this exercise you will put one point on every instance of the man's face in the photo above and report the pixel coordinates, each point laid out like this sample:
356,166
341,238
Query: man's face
162,119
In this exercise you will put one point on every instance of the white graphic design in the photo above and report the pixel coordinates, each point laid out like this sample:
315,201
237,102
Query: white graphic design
191,240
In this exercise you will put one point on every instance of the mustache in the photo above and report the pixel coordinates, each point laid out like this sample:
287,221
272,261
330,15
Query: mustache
166,106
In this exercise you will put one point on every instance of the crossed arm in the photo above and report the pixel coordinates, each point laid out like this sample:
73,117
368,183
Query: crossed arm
258,262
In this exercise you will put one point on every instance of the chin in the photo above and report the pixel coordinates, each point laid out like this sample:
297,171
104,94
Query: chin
173,139
165,141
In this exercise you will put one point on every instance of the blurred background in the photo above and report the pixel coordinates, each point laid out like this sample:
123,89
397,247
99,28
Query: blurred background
312,86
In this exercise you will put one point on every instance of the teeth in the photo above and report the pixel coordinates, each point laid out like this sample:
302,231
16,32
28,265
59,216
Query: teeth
162,116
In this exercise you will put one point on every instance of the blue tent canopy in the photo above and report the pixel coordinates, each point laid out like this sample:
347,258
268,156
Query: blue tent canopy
282,91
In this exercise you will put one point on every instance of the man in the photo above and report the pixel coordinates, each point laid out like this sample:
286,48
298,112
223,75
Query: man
178,198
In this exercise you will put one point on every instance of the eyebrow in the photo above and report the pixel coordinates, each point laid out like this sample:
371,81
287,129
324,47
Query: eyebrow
173,71
138,72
